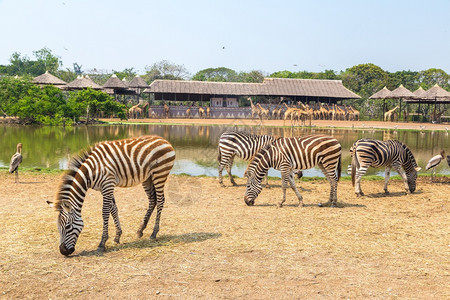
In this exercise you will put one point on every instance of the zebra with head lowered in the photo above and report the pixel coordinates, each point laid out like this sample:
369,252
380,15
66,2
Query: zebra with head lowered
295,153
240,144
389,154
123,163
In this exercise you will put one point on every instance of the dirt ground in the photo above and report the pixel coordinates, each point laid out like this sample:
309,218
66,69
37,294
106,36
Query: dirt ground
314,123
211,245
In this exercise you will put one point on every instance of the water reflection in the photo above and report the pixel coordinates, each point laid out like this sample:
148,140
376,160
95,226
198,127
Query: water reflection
196,146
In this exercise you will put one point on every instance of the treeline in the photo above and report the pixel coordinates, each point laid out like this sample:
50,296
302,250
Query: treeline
363,79
52,106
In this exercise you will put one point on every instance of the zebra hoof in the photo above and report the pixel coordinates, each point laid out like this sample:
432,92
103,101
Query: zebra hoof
386,192
139,234
359,194
117,240
153,237
101,249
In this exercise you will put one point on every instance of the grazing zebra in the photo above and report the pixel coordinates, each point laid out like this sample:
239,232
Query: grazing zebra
296,153
123,163
390,154
240,144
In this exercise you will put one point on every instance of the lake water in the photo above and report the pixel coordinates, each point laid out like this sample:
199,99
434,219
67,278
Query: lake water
195,146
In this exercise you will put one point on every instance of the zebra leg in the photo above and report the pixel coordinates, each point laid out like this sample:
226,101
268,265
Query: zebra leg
292,184
159,207
228,167
267,181
115,215
284,186
332,178
359,174
106,211
151,194
387,174
405,179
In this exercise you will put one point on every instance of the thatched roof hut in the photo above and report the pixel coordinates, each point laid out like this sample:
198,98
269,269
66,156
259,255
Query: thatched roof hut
419,93
82,82
49,79
138,82
115,83
437,94
384,93
403,93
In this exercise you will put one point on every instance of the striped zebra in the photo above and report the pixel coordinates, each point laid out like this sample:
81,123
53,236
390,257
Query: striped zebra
123,163
296,153
240,144
389,154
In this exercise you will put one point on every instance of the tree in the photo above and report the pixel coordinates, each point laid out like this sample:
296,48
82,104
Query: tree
165,70
51,62
127,73
252,76
221,74
430,77
365,79
409,79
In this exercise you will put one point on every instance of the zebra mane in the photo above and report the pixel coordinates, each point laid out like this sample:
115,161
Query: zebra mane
256,158
68,176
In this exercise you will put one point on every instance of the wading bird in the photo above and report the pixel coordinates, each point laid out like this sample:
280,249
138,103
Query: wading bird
16,159
434,162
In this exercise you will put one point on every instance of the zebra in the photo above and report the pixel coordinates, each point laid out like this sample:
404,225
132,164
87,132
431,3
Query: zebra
367,153
242,145
123,163
295,153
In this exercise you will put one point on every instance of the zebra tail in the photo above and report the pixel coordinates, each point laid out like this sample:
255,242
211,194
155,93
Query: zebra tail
353,168
339,167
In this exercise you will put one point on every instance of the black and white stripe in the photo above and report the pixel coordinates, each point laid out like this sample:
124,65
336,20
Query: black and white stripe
123,163
240,144
389,154
297,153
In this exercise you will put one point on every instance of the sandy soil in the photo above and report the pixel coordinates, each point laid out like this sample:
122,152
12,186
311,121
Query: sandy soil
316,123
211,245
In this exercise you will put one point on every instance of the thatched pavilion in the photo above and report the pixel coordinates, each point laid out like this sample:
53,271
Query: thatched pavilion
224,94
49,79
82,82
402,93
435,95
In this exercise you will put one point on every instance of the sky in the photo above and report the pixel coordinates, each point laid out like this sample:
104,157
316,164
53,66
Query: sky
242,35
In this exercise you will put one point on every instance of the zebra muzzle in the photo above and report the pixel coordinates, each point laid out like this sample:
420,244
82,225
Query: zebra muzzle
248,202
65,251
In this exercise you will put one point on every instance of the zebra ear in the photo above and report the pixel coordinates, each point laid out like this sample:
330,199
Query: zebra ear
418,169
51,204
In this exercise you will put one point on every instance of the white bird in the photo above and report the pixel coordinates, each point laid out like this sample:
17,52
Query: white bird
16,159
434,162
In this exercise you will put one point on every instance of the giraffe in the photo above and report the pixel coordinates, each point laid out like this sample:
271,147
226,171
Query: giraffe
263,112
201,112
208,112
188,112
255,110
135,112
388,114
166,110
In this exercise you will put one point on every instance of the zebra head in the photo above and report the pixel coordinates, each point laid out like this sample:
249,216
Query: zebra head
70,225
411,179
254,187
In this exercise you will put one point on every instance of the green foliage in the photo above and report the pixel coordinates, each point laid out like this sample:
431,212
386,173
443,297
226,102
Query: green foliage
165,70
51,106
23,65
365,79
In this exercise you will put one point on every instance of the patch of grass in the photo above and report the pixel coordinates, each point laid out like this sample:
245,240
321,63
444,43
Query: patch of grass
35,170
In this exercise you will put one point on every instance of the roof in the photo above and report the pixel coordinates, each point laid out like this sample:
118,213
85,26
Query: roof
138,82
436,92
48,78
403,93
384,93
82,83
115,83
269,87
419,92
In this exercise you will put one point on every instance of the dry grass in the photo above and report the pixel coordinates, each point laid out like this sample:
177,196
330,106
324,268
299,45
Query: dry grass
211,245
